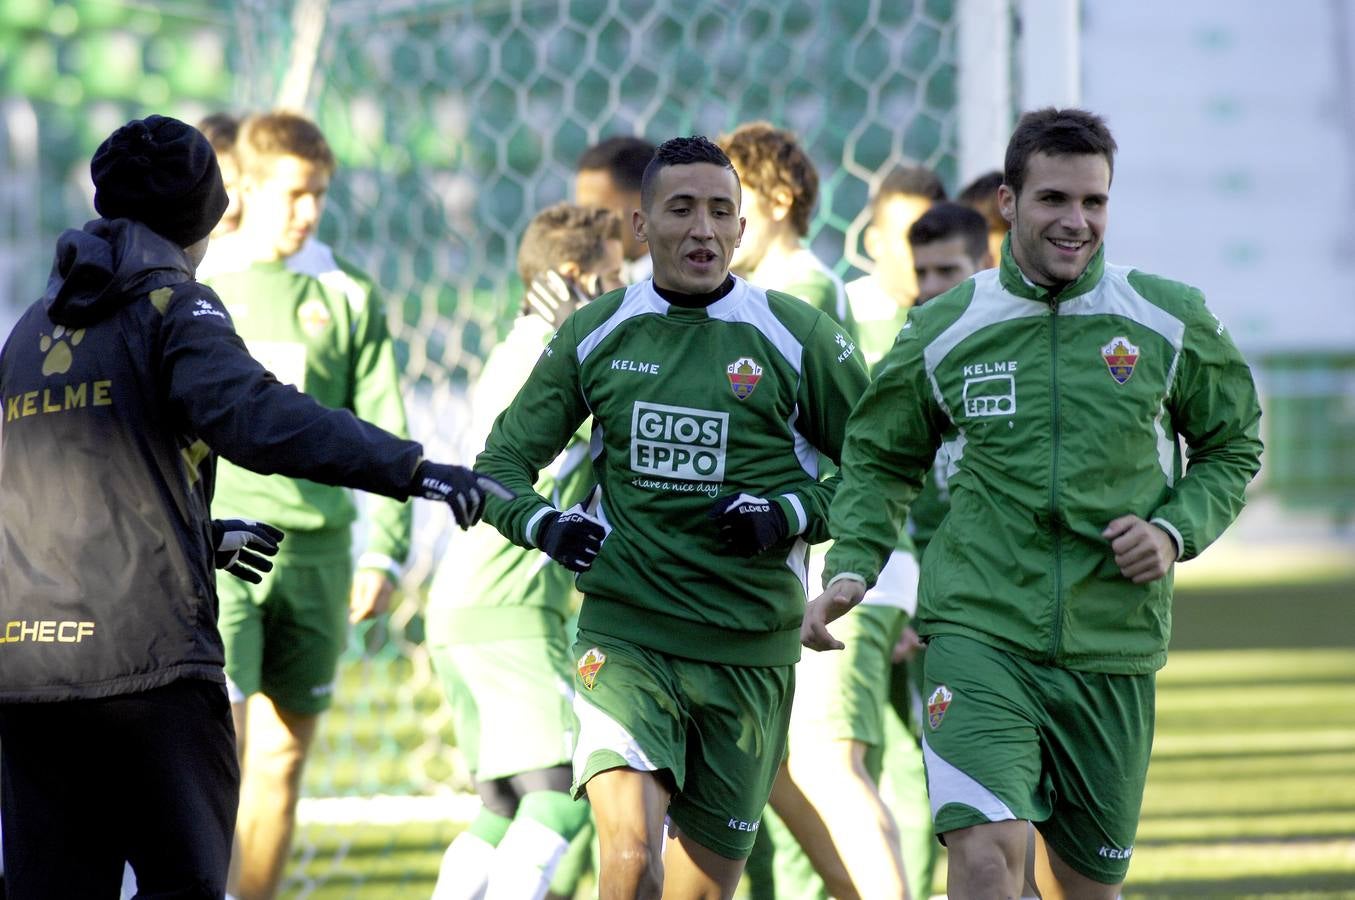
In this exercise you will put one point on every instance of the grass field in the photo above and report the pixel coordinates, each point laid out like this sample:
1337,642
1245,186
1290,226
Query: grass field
1251,792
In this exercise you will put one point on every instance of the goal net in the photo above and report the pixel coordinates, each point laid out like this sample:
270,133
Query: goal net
454,121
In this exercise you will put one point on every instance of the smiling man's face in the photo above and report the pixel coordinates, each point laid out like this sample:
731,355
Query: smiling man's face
1059,220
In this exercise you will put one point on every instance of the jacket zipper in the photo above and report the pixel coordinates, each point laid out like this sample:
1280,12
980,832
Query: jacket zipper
1054,479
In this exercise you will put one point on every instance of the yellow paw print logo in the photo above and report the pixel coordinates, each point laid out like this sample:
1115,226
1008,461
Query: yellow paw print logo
58,349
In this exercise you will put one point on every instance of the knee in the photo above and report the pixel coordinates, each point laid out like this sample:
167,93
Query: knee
989,855
634,862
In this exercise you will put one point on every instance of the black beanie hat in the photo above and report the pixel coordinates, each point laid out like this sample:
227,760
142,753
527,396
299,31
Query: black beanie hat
161,172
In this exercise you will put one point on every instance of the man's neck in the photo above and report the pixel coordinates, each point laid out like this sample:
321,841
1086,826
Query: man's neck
253,250
695,301
785,245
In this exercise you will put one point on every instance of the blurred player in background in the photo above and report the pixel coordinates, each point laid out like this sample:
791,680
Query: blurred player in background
608,175
981,196
222,129
880,300
497,612
825,797
780,190
948,243
317,323
118,744
705,391
1046,598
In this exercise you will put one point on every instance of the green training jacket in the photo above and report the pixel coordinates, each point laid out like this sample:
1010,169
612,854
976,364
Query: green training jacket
688,406
1068,411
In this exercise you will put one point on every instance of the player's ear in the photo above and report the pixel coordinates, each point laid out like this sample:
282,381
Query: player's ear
638,225
570,270
781,203
870,240
742,223
1006,202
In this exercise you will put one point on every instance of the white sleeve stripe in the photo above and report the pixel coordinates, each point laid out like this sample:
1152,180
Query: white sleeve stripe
1171,530
380,561
799,508
843,576
529,532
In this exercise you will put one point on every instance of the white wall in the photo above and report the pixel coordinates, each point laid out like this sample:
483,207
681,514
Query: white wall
1236,169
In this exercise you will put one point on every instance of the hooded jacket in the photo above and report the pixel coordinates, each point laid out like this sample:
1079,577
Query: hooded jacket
119,387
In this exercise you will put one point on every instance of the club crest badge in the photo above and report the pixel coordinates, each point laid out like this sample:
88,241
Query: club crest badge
589,666
937,704
744,374
1120,357
314,317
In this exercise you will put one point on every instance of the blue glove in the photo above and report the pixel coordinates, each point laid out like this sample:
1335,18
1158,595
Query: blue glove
748,525
234,542
572,538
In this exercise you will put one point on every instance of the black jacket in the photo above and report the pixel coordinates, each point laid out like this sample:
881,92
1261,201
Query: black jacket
118,388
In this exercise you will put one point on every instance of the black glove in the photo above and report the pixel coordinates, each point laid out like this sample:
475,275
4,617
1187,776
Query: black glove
464,490
748,525
233,543
572,538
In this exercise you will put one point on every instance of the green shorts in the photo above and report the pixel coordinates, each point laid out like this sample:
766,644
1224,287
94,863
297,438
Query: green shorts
716,733
1009,738
284,636
842,695
510,698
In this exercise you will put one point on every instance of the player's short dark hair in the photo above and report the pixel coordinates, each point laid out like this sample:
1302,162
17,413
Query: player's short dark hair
221,129
623,157
909,181
565,232
680,151
768,158
981,195
1057,132
943,221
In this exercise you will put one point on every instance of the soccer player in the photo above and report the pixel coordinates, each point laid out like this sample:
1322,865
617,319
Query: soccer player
981,195
827,795
948,243
497,616
120,386
317,323
880,300
221,129
1069,385
780,190
711,400
608,175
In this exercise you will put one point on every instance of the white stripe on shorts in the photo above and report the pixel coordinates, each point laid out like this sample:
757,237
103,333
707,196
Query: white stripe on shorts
947,784
599,731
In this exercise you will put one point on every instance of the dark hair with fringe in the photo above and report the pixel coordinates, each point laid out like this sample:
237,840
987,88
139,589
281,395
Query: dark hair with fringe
1056,132
946,220
623,157
680,151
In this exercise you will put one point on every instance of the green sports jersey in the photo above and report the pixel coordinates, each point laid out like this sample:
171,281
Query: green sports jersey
481,568
803,275
688,405
316,322
1060,413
